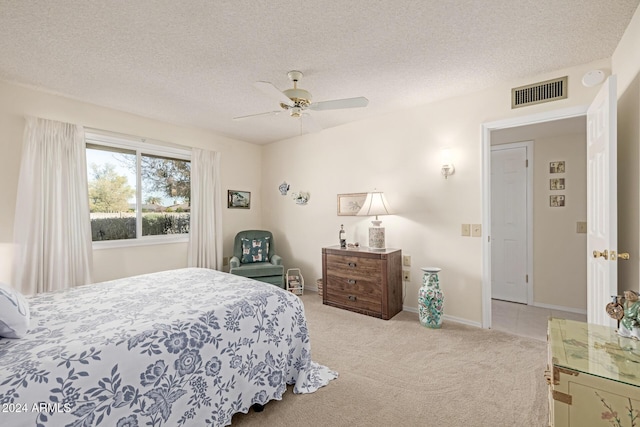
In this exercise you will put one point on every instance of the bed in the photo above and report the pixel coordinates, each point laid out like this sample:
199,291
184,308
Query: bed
187,347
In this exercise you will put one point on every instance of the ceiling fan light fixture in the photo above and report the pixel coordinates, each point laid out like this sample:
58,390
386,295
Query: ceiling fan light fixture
300,97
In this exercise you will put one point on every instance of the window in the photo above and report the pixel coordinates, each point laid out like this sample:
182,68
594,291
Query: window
138,192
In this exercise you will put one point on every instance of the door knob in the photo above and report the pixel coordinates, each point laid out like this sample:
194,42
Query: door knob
598,254
623,255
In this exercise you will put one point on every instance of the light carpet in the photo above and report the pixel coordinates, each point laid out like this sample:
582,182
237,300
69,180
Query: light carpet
399,373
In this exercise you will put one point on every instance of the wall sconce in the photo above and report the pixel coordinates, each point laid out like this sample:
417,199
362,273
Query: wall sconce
447,163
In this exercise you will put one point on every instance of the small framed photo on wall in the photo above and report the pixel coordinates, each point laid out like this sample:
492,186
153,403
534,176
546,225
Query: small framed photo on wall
556,184
557,167
556,201
238,199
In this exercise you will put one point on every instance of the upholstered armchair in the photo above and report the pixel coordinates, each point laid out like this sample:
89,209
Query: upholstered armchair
254,256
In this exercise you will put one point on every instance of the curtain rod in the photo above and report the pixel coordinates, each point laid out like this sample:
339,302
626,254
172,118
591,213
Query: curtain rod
128,136
136,138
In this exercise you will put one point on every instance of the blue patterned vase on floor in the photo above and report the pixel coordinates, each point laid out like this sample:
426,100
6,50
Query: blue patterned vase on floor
430,299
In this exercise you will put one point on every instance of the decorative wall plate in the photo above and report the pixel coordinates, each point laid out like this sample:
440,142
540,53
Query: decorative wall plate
301,198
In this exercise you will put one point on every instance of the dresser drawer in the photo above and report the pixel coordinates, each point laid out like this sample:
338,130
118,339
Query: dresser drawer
354,267
354,293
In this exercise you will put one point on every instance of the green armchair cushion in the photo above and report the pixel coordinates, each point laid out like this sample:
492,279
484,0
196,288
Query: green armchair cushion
255,250
259,269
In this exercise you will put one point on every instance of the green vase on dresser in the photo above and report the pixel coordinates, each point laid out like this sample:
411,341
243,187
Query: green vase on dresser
430,299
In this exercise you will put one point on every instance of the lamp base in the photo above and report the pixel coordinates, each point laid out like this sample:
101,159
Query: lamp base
376,238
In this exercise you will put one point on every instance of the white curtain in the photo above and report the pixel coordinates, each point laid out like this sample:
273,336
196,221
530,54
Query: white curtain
52,229
205,235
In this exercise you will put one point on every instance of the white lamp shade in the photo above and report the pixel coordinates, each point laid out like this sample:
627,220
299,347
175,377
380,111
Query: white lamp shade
375,204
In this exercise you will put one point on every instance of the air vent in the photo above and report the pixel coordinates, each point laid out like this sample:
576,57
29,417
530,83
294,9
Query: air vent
537,93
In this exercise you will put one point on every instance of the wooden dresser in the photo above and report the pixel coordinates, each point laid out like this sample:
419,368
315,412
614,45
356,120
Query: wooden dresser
363,280
593,375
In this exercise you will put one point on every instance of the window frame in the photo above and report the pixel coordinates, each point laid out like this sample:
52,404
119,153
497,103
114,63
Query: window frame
141,146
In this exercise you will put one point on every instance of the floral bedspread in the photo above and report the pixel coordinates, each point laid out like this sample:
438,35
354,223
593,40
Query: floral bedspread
187,347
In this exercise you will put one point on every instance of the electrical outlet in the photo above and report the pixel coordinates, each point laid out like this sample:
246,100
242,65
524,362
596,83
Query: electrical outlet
406,260
406,275
465,230
225,261
476,230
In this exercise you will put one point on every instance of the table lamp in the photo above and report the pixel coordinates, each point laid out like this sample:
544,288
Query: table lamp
375,204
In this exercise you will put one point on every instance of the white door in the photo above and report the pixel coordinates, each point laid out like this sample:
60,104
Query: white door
602,204
509,223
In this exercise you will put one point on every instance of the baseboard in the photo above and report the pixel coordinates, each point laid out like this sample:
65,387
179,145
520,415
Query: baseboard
462,321
447,318
409,309
560,308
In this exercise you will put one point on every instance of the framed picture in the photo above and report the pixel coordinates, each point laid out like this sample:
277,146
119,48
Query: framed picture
350,204
556,167
556,201
556,184
238,199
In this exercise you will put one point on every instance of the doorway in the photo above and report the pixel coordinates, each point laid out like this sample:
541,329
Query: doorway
509,125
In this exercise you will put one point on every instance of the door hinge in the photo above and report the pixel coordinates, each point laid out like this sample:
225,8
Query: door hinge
526,278
526,163
557,371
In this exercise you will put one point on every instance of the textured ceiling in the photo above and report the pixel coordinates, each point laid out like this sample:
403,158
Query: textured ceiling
194,62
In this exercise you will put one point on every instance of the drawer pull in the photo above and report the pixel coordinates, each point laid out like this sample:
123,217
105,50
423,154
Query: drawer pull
351,281
352,264
352,297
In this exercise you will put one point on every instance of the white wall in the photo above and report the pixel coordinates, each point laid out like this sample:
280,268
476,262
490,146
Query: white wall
625,63
16,102
400,154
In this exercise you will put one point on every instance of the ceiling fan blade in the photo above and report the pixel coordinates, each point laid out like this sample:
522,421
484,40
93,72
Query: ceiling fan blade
268,113
309,125
337,104
270,90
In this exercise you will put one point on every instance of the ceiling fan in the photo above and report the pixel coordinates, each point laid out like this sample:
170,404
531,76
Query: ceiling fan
297,102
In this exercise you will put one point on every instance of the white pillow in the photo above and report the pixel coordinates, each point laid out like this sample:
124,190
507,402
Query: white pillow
14,313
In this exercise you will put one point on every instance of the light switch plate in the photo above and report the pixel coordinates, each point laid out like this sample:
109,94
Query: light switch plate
581,227
476,230
406,260
465,230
